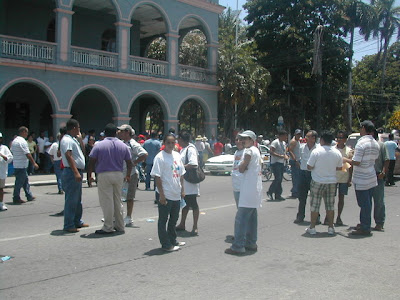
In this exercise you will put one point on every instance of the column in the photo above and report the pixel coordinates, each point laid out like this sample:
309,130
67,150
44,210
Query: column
118,121
123,45
172,55
171,123
63,35
212,56
59,120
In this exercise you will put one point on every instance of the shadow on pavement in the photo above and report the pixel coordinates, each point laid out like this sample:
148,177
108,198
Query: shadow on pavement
319,235
156,251
60,232
100,236
185,234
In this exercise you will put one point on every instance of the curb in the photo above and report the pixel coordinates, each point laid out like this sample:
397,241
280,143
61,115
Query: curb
39,183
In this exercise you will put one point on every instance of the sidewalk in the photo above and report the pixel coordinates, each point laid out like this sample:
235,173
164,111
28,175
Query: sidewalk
37,180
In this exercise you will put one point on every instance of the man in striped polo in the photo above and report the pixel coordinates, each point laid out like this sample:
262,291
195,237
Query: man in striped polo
364,176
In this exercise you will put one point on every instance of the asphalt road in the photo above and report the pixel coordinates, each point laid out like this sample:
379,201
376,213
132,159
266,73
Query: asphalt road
48,264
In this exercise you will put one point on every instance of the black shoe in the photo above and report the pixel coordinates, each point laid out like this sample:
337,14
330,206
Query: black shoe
279,198
101,231
270,196
298,221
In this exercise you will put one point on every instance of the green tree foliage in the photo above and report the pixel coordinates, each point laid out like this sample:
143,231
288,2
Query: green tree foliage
370,103
191,118
283,31
242,79
157,49
193,49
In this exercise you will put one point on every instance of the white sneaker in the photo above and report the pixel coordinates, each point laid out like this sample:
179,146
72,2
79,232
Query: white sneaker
331,230
3,207
173,248
180,244
311,230
128,222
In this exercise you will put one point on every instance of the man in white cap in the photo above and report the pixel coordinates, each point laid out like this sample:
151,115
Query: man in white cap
5,158
126,133
249,199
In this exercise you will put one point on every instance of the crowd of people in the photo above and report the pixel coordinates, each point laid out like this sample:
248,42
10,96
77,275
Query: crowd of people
319,170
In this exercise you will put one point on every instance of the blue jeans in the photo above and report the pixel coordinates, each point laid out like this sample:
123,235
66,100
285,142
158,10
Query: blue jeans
245,229
21,181
379,202
364,200
168,213
304,187
148,177
73,199
58,171
276,185
295,178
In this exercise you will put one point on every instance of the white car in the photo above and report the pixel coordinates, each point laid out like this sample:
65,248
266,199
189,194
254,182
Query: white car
222,164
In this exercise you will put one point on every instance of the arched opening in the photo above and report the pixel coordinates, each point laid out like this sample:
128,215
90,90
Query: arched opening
51,31
193,49
93,109
92,22
25,104
109,40
147,115
191,117
148,33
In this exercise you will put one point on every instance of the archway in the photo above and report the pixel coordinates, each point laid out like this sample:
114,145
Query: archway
93,109
147,115
25,104
192,118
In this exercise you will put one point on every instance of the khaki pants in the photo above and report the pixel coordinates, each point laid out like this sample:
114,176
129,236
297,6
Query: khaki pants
109,189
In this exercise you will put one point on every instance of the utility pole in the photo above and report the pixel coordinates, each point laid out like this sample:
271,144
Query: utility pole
317,70
236,44
350,87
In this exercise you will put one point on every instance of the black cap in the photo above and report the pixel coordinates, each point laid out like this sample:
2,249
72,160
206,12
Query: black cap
110,129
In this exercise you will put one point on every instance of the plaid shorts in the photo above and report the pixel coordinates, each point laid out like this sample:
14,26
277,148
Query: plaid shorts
319,191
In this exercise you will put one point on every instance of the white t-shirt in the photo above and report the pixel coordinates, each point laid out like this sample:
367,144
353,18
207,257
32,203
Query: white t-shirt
325,160
280,148
236,175
20,149
169,168
251,186
41,142
305,153
136,151
190,188
4,163
53,151
68,143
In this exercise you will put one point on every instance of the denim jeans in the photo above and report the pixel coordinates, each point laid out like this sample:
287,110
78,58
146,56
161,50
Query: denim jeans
148,177
379,202
245,229
304,187
364,200
276,185
73,199
389,178
295,178
168,213
58,171
21,181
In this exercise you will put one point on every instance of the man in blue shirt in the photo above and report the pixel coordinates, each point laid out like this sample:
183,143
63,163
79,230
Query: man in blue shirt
391,147
152,146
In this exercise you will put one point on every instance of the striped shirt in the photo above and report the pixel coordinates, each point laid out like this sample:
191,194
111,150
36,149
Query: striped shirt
366,152
20,149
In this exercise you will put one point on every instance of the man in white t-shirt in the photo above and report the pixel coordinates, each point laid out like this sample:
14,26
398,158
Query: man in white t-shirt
55,157
5,159
323,164
22,155
249,199
41,141
278,158
236,175
168,171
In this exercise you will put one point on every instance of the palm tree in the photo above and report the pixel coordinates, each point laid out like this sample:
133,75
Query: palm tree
388,20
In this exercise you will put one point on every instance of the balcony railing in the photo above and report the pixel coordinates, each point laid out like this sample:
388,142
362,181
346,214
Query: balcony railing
149,67
26,49
95,59
192,73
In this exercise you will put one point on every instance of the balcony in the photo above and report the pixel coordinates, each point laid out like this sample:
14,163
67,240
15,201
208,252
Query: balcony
195,74
94,59
148,67
26,49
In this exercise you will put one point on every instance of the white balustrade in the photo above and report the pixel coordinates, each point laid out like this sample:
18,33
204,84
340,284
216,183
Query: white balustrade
27,49
94,58
149,67
192,74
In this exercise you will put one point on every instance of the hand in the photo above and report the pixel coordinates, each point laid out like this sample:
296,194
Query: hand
286,157
36,166
182,194
127,178
349,184
163,201
78,177
381,176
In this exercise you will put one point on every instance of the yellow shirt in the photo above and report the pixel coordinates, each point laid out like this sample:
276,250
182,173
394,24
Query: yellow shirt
343,175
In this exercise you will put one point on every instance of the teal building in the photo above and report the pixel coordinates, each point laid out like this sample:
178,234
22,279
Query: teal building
89,59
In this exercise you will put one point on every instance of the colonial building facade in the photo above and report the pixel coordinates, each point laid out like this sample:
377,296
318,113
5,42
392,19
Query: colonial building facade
88,59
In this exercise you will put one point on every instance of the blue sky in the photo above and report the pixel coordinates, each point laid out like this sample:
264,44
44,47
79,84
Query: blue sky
361,47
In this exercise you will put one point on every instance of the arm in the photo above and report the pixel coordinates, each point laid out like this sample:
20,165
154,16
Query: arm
29,156
291,147
182,188
311,167
72,165
163,200
244,164
129,166
384,170
272,151
140,159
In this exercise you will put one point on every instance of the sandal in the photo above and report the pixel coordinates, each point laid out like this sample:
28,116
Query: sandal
179,229
194,232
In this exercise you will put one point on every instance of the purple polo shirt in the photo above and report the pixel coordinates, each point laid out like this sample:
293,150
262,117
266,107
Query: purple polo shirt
110,154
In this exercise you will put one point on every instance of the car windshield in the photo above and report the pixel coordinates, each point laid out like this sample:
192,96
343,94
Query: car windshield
264,150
